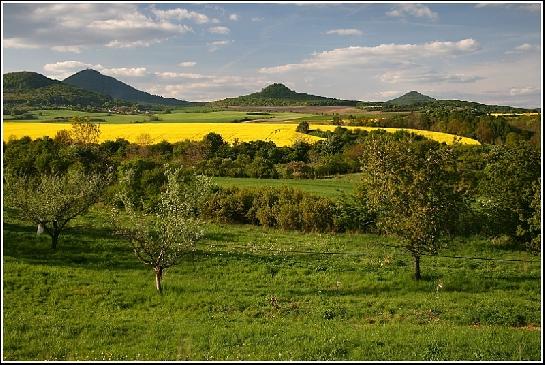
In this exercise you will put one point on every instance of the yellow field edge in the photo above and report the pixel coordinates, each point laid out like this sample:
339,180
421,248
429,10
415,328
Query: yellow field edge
148,133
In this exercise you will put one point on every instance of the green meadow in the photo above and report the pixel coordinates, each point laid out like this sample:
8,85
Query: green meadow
332,187
249,293
191,115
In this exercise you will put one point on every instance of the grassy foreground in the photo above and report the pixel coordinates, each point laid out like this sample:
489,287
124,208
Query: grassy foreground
238,297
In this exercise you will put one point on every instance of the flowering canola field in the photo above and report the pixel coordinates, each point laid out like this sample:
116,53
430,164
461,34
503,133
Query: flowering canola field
437,136
282,134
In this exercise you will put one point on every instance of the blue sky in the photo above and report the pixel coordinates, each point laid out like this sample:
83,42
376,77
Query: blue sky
484,52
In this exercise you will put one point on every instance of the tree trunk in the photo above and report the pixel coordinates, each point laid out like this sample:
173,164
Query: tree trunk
55,235
417,275
158,277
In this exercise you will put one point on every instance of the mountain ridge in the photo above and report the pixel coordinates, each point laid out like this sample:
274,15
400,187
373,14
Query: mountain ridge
93,80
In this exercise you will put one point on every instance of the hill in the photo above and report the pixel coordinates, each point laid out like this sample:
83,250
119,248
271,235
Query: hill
95,81
280,95
411,98
415,101
23,90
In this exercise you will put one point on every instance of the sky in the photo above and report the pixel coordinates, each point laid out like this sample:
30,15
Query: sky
484,52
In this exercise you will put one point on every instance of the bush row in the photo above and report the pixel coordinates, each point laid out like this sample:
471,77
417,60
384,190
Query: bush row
286,208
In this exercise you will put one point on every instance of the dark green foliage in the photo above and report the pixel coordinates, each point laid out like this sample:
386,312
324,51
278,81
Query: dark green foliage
507,188
95,81
286,208
302,127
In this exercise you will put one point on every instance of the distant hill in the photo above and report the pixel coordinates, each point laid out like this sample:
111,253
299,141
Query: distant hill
411,98
280,95
415,101
33,90
95,81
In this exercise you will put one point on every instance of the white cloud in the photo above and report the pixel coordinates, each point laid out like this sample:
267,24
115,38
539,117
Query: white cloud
219,30
73,49
523,48
215,45
63,69
208,87
125,71
528,7
345,32
415,10
528,90
233,17
187,64
257,19
74,26
117,44
182,75
180,14
390,93
392,53
18,43
395,77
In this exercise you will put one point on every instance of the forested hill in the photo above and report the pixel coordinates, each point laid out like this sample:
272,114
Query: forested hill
415,101
280,95
95,81
411,98
33,90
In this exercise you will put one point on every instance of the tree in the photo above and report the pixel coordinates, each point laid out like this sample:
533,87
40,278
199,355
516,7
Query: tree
162,235
302,127
410,186
506,188
534,222
84,131
51,201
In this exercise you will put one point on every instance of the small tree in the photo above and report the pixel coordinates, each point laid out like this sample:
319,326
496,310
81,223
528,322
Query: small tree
51,201
84,131
162,235
303,127
411,187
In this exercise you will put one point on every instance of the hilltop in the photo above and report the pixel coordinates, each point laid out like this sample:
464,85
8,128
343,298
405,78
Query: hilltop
280,95
33,90
411,98
93,80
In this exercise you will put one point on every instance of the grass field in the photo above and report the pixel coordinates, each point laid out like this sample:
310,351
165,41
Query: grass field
191,115
240,298
332,188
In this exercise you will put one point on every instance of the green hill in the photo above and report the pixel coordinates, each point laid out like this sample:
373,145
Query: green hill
95,81
23,90
280,95
411,98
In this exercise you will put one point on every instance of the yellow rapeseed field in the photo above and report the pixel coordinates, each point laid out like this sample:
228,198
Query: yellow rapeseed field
438,136
282,134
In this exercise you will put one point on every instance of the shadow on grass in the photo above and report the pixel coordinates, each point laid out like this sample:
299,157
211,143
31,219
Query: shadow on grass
78,246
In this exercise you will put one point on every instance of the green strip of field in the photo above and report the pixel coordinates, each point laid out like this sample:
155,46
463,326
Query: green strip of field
179,116
332,188
239,298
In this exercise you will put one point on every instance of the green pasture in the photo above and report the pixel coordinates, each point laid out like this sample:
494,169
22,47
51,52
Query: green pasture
333,187
178,116
249,293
